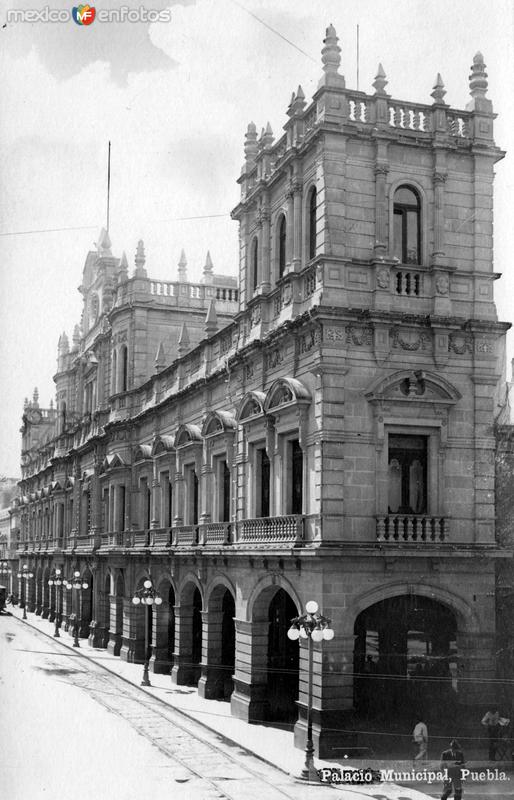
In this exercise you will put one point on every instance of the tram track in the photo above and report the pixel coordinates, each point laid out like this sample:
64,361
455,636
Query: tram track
216,773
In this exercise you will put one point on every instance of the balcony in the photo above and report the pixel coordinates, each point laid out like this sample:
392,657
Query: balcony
185,536
271,530
419,529
215,533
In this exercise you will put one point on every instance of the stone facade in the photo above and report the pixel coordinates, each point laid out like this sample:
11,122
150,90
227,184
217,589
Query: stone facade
321,429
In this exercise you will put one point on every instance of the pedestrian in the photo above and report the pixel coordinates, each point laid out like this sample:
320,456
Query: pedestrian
491,721
452,760
420,738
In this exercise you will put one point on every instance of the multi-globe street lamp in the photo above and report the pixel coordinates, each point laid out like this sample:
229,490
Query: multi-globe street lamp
147,596
314,627
25,575
57,580
5,570
78,584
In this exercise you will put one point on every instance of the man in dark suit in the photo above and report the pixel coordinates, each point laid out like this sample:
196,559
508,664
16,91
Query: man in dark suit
452,760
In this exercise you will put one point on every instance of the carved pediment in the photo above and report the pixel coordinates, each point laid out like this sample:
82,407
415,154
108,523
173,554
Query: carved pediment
408,386
252,406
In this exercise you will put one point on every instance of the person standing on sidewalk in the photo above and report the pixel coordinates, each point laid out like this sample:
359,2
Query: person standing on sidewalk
452,760
420,737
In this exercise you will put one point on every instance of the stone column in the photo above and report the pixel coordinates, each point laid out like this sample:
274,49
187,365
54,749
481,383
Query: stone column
249,698
289,225
51,603
178,494
115,632
184,672
160,661
297,225
155,521
332,700
381,238
210,685
39,594
206,493
265,251
133,641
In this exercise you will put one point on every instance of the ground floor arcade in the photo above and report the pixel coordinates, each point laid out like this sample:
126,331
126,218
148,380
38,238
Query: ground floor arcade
408,638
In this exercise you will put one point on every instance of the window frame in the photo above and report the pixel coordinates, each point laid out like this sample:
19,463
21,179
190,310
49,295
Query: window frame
402,209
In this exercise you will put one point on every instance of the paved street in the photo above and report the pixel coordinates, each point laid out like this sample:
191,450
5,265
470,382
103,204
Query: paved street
70,726
52,697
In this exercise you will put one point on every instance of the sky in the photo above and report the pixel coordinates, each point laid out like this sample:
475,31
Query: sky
175,98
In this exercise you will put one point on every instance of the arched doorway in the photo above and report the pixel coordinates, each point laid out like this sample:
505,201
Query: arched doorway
164,638
405,659
196,645
39,591
228,644
219,649
86,604
46,594
282,661
116,615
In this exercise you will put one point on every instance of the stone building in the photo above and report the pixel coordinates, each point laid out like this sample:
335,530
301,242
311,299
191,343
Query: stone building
320,429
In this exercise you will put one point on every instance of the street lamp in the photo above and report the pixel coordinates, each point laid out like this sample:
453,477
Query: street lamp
314,627
76,583
25,575
5,570
57,581
147,596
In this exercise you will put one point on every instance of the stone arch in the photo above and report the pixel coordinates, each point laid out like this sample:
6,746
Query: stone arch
163,444
251,406
465,615
189,632
219,645
262,593
184,590
142,453
286,392
218,422
410,183
187,434
164,626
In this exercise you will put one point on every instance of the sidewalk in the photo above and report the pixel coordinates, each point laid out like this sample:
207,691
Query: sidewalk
269,743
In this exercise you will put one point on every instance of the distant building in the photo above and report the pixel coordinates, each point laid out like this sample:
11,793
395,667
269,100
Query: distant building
320,429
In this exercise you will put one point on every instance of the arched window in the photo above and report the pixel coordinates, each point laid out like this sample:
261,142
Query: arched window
254,265
407,226
281,246
312,224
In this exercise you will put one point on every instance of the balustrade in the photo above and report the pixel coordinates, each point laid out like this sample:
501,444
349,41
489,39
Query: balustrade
186,535
269,530
216,533
409,528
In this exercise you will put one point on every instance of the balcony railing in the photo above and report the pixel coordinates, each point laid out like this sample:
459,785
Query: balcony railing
160,537
270,530
215,533
186,535
409,528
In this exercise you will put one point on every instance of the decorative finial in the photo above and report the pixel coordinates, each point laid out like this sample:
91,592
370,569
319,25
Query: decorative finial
35,398
439,91
160,358
251,142
76,337
211,319
380,81
183,340
478,78
140,260
182,265
208,268
25,403
51,403
123,268
298,104
267,137
65,345
330,55
104,243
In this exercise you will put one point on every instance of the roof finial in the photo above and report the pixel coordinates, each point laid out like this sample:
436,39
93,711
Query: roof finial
267,136
251,148
140,260
25,403
123,268
76,337
183,340
160,358
35,398
439,91
104,243
182,264
330,55
65,345
208,269
211,319
380,81
478,78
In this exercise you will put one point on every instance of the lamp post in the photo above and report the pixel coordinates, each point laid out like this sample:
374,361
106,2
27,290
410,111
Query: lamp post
5,570
76,583
147,596
314,627
57,581
25,575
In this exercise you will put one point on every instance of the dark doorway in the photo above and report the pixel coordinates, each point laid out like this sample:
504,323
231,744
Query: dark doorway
407,474
283,661
171,625
264,470
405,660
196,646
225,507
